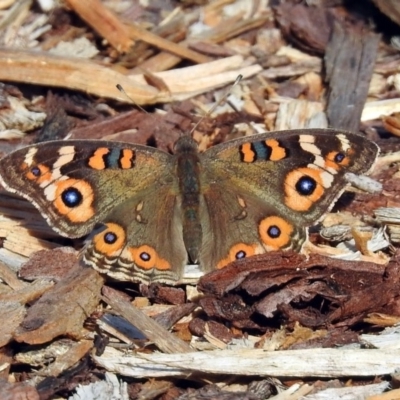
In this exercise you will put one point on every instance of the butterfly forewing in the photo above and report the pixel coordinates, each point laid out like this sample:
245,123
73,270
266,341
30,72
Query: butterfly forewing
75,184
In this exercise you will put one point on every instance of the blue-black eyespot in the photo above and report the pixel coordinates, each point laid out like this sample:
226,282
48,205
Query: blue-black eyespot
273,231
145,256
71,197
240,254
339,157
306,185
110,237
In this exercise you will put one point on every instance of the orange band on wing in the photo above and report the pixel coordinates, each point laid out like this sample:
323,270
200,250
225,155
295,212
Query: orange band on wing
248,153
277,151
126,159
96,161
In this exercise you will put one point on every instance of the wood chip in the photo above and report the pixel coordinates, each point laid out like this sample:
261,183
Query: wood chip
164,340
326,363
49,317
349,62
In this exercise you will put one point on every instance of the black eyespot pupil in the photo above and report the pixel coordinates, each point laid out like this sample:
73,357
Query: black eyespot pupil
145,256
71,197
274,231
35,171
306,186
110,237
240,254
339,157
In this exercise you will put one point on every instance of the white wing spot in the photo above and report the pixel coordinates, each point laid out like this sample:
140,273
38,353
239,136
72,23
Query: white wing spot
344,141
30,156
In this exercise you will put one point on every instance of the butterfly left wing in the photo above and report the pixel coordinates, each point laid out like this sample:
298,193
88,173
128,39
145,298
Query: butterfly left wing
261,193
130,189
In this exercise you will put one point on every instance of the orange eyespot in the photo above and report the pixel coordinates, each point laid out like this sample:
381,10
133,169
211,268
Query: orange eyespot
336,159
39,173
146,257
303,187
237,252
275,232
110,240
74,199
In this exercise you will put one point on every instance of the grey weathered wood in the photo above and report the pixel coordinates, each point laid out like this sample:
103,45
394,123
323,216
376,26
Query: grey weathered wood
349,62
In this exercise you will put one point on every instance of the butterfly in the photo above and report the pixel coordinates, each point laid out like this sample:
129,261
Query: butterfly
158,211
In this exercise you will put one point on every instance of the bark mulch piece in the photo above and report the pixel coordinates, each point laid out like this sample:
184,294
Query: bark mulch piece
317,291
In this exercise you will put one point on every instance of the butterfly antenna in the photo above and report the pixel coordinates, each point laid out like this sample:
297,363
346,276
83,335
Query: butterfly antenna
218,103
122,90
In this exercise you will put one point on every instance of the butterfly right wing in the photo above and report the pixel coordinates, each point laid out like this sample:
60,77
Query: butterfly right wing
261,193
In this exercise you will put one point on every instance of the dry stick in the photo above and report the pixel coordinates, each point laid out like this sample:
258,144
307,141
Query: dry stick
77,74
121,36
166,45
165,341
104,22
166,60
8,276
304,363
73,73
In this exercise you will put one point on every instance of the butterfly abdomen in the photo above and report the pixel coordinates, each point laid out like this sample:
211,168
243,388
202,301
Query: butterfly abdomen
188,172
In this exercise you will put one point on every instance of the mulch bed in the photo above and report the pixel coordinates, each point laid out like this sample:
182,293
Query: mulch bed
281,325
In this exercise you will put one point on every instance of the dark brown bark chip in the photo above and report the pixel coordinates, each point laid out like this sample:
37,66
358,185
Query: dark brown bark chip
307,27
334,338
53,264
142,128
200,327
231,308
163,294
316,291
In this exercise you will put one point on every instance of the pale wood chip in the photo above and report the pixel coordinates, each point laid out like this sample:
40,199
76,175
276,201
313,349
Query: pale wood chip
326,363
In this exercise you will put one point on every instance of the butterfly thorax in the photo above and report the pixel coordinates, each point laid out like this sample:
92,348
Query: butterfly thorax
188,172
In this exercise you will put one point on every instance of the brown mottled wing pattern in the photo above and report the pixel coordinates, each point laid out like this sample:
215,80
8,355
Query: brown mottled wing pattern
255,194
131,189
262,192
